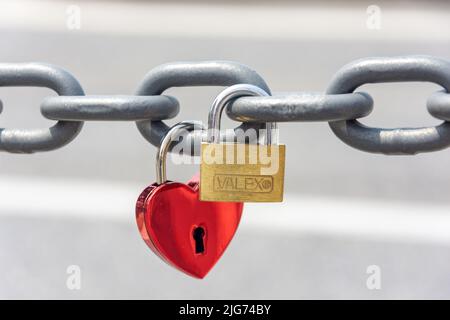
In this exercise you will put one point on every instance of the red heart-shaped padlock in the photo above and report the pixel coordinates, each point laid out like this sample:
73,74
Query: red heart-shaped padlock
187,233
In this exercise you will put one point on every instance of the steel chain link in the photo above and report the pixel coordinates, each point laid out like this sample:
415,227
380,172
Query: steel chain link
396,69
189,74
39,75
339,105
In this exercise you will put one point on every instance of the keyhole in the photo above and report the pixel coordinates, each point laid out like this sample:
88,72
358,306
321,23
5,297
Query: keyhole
199,234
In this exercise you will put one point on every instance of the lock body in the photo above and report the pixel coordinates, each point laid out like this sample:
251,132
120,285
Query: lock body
186,233
237,172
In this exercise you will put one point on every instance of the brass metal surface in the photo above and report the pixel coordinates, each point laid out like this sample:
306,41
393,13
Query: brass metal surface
242,172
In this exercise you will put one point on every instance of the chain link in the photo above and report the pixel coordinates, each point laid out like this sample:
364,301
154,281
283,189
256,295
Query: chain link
189,74
438,105
396,69
39,75
110,108
301,106
339,105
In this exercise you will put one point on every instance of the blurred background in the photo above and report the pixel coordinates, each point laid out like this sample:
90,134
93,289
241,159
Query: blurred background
344,210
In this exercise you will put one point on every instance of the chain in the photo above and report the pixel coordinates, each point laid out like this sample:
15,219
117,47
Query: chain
340,105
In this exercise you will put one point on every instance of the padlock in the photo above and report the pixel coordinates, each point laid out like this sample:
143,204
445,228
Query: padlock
239,171
183,231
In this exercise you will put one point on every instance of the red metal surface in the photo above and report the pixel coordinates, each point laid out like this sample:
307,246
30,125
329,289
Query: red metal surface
167,215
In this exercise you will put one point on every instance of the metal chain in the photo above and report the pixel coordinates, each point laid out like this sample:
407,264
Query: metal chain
39,75
378,70
189,74
339,105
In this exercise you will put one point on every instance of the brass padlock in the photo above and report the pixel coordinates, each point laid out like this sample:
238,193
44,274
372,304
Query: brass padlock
240,172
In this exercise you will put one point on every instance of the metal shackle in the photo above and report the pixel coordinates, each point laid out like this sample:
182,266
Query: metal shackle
222,100
171,135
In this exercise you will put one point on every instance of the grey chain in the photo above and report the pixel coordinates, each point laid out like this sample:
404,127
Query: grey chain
339,105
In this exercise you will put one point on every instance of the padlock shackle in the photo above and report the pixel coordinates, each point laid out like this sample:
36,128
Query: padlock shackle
172,134
222,100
